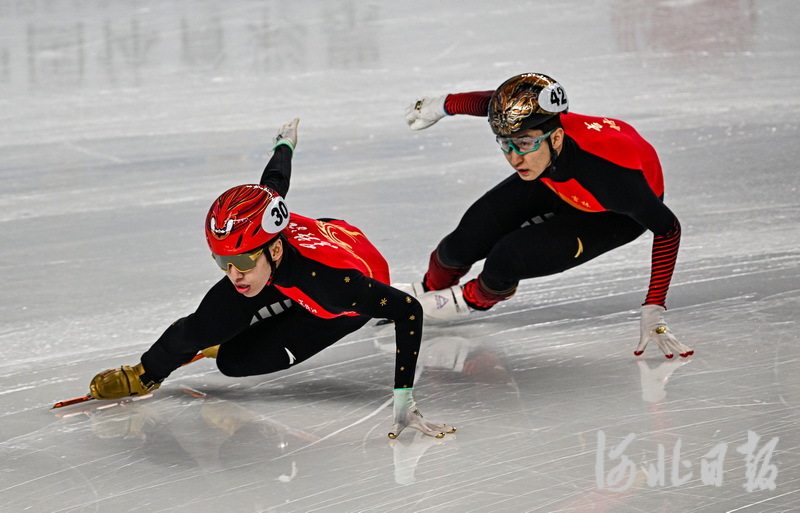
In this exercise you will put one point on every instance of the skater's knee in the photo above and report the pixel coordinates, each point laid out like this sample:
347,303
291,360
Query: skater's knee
454,251
504,268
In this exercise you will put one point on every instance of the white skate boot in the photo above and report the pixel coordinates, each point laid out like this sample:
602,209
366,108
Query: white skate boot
444,305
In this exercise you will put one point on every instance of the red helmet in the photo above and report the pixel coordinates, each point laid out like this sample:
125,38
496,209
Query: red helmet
244,218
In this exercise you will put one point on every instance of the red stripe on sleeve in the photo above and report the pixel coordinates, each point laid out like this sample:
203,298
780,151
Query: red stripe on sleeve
664,256
472,104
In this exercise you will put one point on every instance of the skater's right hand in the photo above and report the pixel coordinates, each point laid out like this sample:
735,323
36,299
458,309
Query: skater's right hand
653,327
287,135
425,111
406,414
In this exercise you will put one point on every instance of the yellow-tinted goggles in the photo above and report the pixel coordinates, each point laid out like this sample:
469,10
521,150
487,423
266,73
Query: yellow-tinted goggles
243,262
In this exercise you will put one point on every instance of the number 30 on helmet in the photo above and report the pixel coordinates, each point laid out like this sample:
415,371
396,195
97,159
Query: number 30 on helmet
525,101
245,218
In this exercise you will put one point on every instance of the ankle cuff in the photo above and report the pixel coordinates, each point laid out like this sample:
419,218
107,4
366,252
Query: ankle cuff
479,297
441,276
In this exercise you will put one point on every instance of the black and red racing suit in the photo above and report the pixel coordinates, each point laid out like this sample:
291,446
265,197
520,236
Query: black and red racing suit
330,281
604,189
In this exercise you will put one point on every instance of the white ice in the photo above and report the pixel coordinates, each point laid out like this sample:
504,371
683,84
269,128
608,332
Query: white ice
121,121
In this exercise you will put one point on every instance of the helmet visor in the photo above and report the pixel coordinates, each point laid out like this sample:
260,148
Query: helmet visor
243,262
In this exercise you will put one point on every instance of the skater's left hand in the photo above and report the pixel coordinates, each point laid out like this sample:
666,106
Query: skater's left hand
406,414
654,328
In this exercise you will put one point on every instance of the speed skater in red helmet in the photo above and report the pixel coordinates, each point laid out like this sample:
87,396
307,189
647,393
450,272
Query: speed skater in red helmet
582,186
298,283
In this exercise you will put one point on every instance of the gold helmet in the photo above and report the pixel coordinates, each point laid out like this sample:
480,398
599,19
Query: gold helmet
525,101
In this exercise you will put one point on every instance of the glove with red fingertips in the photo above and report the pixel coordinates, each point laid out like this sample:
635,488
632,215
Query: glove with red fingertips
654,328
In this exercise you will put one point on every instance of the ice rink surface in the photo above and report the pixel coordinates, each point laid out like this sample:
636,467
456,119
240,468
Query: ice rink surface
121,121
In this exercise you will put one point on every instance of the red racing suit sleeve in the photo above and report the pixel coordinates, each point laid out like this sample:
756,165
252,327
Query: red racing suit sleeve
473,104
664,256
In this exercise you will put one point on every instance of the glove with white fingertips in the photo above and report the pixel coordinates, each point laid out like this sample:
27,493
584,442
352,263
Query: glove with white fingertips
287,135
425,112
406,414
653,328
